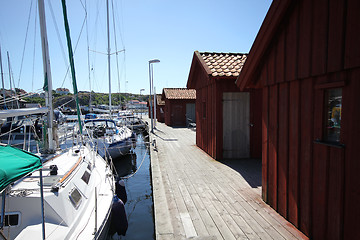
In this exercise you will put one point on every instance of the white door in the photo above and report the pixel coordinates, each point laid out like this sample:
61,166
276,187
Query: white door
236,125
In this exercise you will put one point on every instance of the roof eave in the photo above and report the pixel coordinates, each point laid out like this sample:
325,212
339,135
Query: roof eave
196,59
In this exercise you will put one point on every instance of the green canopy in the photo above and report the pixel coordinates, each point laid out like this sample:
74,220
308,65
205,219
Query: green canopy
15,163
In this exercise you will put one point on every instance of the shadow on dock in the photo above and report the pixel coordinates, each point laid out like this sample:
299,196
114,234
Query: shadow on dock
165,139
250,169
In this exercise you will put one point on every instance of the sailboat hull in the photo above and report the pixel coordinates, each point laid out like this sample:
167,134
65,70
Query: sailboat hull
78,198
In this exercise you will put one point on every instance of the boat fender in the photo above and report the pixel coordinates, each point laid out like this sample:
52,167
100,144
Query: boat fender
120,190
119,222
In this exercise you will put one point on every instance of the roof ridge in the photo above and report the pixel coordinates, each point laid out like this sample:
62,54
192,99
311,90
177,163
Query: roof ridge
229,53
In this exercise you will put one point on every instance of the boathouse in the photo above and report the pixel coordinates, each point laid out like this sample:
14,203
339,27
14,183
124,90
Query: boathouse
306,60
160,108
179,106
228,123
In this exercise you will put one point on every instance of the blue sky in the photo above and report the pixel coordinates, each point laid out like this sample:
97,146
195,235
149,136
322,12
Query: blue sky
159,29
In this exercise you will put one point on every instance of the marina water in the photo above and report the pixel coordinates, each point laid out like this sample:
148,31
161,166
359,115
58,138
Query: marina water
134,169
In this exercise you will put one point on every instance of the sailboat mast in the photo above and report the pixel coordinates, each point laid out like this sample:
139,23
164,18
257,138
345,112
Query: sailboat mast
12,102
47,74
108,40
11,82
2,79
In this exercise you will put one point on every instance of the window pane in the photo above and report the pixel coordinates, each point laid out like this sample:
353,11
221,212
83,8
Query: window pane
333,114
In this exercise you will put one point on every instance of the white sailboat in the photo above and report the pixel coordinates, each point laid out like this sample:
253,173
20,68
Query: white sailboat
78,190
111,140
65,194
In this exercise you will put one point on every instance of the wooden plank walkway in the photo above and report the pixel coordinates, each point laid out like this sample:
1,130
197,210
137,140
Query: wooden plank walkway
196,197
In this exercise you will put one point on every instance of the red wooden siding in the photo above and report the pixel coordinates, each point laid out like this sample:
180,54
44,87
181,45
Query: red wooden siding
350,136
283,148
352,36
305,148
160,113
304,39
255,120
294,139
265,145
273,146
314,185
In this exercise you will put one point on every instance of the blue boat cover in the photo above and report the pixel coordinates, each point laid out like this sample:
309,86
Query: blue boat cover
16,163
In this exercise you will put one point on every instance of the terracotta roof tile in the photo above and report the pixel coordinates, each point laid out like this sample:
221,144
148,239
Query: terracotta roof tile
179,93
224,64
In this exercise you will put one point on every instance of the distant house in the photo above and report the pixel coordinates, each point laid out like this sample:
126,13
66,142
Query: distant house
306,61
136,105
227,120
62,91
143,105
179,105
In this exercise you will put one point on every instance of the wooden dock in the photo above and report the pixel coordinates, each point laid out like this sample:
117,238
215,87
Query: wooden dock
198,197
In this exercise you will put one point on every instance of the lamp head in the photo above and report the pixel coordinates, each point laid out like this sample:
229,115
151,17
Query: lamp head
154,61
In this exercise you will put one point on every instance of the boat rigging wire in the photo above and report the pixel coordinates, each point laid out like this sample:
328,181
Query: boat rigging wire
58,37
26,35
74,51
117,59
88,54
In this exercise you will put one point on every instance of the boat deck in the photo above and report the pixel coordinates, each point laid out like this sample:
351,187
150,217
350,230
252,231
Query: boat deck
198,197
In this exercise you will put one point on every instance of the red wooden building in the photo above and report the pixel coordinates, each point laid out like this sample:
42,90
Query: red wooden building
228,121
179,105
160,108
306,60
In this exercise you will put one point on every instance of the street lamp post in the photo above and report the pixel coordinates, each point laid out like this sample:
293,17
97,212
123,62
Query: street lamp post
151,88
155,99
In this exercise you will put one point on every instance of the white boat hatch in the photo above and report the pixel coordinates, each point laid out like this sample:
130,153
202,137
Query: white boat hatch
51,180
75,197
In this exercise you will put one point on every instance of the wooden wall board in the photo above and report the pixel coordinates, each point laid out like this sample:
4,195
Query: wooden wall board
304,38
306,157
265,146
294,152
273,147
320,191
335,194
319,37
336,38
350,135
283,149
352,36
291,52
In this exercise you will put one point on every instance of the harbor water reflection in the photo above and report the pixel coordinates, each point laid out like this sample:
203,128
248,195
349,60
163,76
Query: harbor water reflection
134,169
